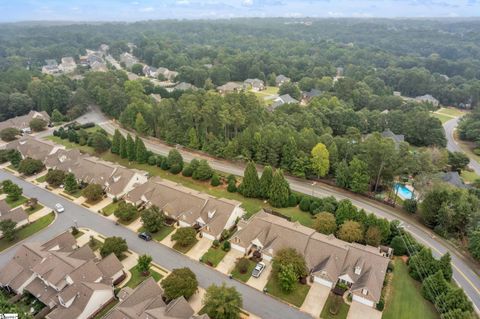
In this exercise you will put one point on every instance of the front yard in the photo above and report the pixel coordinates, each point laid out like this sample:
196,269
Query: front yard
161,234
184,249
14,203
245,276
336,308
34,209
213,256
296,297
110,208
137,277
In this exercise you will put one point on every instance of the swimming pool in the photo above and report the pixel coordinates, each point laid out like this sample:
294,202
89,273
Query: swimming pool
403,191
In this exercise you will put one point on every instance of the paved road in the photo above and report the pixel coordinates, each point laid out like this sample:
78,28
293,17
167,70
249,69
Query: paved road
465,275
254,301
452,145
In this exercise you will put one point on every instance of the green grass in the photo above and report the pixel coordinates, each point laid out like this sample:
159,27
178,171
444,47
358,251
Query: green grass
342,312
213,256
128,222
137,277
28,230
35,209
95,244
243,277
451,111
14,203
296,297
184,249
296,214
106,309
161,234
404,299
42,178
12,168
469,177
78,234
75,194
443,118
70,145
110,208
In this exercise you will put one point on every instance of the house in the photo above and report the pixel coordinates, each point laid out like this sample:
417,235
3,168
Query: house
68,65
190,208
167,74
308,96
33,148
146,301
396,138
99,67
281,79
104,48
68,279
17,215
427,99
329,260
51,67
23,122
184,86
255,85
229,87
128,59
282,99
150,71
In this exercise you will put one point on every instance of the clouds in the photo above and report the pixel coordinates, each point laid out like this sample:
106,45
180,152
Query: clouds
128,10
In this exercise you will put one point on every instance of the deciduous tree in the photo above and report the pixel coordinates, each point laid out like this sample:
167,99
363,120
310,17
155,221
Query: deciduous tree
180,282
116,245
350,231
320,160
325,223
222,302
152,219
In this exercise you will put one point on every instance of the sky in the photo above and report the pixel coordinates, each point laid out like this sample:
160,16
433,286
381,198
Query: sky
135,10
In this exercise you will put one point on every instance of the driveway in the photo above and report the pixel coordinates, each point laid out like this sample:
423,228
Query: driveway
361,311
315,300
260,282
200,248
228,262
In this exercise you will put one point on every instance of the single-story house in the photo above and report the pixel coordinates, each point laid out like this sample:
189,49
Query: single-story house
190,208
281,79
183,86
68,65
128,59
23,122
34,148
396,138
229,87
17,214
282,99
308,96
254,84
329,260
427,98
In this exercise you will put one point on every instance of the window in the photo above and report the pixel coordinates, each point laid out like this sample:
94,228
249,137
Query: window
365,291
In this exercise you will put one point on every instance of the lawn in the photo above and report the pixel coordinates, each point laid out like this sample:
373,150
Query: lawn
296,214
137,278
69,145
404,293
213,256
78,234
110,208
106,309
451,111
35,209
161,234
469,177
443,118
128,222
95,244
14,203
42,178
342,312
244,277
28,230
184,249
296,297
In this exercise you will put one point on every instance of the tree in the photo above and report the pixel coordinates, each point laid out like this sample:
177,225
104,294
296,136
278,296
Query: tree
15,157
350,231
141,153
57,117
13,192
143,264
345,211
266,182
215,180
185,236
37,124
9,134
398,246
222,302
410,205
373,237
116,245
250,182
359,175
474,244
125,211
342,174
8,228
100,142
180,282
30,166
93,192
140,125
458,160
279,191
444,264
289,256
137,68
203,172
454,298
123,151
325,223
320,160
291,89
55,177
152,219
287,278
130,146
175,161
117,137
71,185
434,285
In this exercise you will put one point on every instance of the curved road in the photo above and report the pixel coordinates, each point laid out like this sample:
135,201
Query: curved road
254,300
465,275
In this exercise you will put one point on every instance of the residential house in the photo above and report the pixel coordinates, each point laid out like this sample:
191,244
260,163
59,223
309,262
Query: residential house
190,208
23,122
146,302
99,67
255,85
229,87
69,280
329,260
167,74
396,138
128,59
68,65
104,48
281,79
282,99
308,96
51,67
150,71
427,99
184,86
17,214
33,148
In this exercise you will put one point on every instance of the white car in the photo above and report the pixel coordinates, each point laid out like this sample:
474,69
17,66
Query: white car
257,271
59,208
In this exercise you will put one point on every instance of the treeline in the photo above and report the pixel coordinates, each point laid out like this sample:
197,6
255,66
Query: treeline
469,129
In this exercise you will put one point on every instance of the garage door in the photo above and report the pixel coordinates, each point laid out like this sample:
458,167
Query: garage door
363,300
322,281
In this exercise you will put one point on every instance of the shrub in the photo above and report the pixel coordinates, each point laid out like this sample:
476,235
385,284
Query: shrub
380,305
216,243
187,171
242,265
410,205
175,168
232,186
203,172
305,204
152,160
292,200
226,246
75,231
215,180
55,177
30,166
185,236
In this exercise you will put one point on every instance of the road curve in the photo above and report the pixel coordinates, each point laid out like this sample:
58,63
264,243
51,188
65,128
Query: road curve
254,300
465,275
453,146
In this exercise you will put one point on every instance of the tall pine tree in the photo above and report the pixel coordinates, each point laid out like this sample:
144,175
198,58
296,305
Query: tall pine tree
266,181
250,183
123,147
279,191
115,149
141,151
131,151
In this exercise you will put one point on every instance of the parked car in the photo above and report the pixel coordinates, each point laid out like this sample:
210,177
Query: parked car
257,271
59,208
145,236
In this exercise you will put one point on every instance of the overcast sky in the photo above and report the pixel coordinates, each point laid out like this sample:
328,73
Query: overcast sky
134,10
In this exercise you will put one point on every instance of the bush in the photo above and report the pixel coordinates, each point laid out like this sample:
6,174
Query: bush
185,236
292,200
93,192
242,265
380,305
216,243
226,246
152,160
9,134
398,246
232,186
410,205
75,231
164,165
30,166
180,282
187,171
160,160
305,204
175,169
215,180
55,177
203,172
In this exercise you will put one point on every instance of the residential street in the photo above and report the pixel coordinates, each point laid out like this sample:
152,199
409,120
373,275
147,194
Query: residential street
254,301
464,274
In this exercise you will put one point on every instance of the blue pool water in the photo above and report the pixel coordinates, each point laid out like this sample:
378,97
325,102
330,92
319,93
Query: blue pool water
403,191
